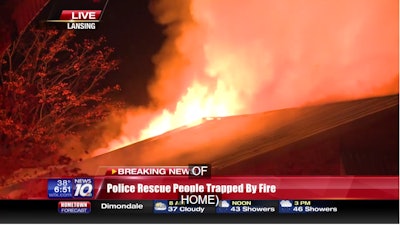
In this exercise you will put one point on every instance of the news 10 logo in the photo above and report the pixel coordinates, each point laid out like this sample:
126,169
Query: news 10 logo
70,188
83,187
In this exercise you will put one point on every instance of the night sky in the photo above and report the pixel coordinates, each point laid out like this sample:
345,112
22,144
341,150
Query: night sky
129,28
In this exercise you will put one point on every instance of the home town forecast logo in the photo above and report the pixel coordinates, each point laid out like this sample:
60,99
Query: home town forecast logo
79,19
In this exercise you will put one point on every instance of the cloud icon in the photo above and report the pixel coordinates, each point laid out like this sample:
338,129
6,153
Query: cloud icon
159,206
224,204
285,203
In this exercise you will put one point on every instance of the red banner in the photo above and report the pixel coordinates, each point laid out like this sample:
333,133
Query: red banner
80,15
249,188
236,188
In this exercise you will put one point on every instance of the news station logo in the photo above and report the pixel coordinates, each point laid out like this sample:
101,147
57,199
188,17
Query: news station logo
70,188
76,207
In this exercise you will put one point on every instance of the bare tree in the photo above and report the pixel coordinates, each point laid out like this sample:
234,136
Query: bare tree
50,87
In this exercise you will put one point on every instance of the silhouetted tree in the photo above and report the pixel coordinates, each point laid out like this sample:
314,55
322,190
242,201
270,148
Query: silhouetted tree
50,88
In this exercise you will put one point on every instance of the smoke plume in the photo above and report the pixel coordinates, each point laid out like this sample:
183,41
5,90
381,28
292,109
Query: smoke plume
229,57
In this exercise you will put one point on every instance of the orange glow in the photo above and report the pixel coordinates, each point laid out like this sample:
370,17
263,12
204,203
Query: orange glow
228,57
198,103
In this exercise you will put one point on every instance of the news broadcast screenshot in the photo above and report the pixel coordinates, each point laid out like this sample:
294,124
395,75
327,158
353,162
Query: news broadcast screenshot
199,111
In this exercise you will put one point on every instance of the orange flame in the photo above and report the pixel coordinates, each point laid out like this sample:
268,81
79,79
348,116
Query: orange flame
227,57
198,103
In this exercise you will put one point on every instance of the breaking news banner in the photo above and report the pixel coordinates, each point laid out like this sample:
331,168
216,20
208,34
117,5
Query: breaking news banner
187,191
191,171
76,14
185,182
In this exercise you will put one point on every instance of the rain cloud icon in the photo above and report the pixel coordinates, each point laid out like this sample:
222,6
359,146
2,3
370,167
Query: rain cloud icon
285,203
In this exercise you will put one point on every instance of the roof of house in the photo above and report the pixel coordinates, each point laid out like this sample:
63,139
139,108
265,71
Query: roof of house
228,141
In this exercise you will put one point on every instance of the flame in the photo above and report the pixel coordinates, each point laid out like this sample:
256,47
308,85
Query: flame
228,57
198,103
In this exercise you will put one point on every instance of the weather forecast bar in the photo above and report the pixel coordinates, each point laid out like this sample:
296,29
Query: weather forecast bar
229,211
